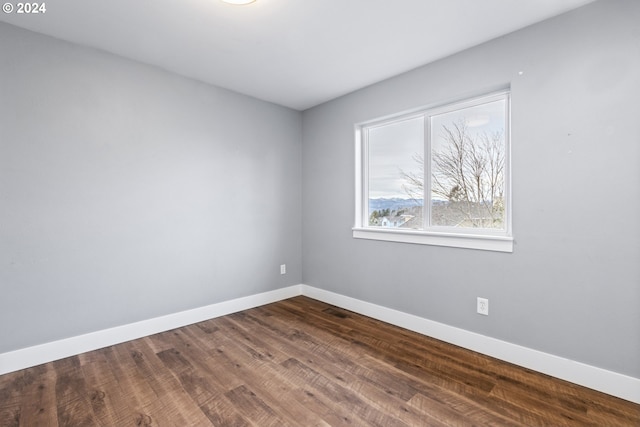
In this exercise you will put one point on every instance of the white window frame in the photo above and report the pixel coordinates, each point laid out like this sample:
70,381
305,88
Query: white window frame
467,237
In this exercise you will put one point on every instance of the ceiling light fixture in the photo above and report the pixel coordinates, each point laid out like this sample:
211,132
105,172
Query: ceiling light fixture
238,1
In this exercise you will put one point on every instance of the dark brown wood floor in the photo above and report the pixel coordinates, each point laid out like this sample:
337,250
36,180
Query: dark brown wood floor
297,362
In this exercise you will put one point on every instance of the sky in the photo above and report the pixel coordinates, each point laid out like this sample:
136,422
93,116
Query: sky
392,146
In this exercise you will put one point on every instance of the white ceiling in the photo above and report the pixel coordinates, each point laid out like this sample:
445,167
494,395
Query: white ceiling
296,53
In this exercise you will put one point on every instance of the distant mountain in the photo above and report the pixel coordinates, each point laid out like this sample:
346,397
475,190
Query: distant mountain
393,204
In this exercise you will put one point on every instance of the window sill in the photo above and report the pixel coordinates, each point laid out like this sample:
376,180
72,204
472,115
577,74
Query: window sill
453,240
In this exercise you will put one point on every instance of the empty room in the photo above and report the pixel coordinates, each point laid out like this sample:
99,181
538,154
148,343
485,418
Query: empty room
320,213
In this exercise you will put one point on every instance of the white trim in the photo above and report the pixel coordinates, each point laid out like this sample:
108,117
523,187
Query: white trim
361,184
48,352
615,384
454,240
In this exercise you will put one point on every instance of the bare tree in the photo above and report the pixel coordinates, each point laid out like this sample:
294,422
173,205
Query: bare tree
414,181
468,172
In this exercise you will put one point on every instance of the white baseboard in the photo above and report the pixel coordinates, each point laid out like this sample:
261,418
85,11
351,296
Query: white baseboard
609,382
599,379
48,352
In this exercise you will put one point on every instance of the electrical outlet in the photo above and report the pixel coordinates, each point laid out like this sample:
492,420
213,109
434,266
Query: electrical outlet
283,269
483,306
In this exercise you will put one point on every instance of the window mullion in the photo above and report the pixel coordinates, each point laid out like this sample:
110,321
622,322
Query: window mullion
426,197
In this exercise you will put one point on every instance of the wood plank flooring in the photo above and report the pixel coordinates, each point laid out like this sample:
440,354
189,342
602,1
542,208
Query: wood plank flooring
298,362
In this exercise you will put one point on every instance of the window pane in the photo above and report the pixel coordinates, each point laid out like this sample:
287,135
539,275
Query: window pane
468,167
396,174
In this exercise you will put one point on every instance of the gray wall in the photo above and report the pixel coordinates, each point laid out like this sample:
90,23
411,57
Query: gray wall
128,193
572,285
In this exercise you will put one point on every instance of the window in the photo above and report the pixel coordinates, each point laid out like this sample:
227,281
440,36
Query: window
437,176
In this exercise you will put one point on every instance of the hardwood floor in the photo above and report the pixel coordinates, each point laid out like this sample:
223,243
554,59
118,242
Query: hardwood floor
298,362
